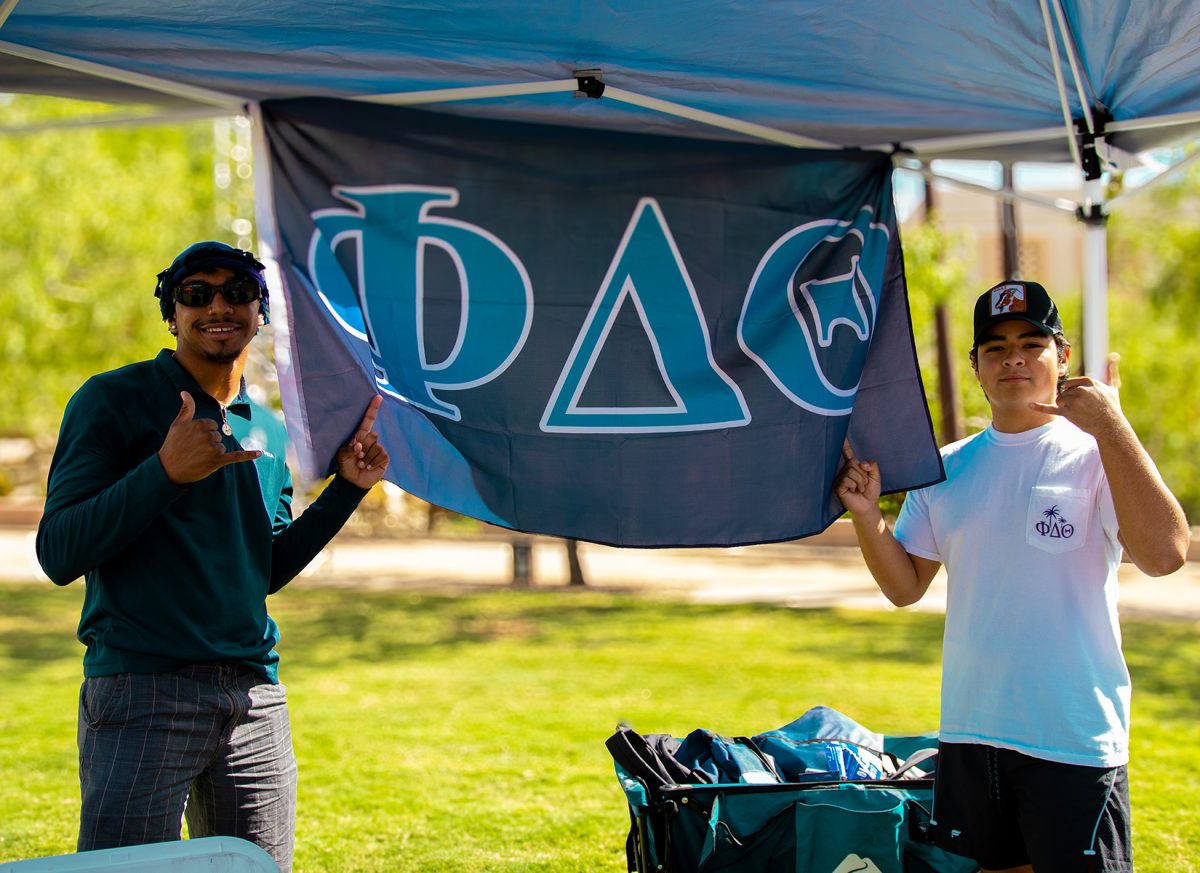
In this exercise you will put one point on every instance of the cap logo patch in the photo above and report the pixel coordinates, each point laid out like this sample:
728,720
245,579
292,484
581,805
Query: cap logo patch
1008,298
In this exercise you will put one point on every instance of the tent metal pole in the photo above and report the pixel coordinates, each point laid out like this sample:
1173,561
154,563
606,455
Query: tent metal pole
1154,180
1091,212
117,119
724,122
1152,121
758,131
6,9
1056,63
1060,205
979,140
1072,59
938,145
477,92
1095,284
127,77
484,92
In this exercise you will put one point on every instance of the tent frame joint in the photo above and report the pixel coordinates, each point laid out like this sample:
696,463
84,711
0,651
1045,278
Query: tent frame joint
1089,158
590,83
1092,215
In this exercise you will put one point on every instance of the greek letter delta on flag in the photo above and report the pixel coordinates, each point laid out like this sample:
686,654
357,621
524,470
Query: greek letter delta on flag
630,339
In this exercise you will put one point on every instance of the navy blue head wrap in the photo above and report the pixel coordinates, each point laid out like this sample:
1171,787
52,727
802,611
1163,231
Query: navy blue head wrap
204,256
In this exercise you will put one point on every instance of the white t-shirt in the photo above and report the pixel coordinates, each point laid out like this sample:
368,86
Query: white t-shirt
1031,661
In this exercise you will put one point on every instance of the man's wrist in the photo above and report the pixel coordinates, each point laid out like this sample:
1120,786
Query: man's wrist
346,486
162,466
1117,432
868,518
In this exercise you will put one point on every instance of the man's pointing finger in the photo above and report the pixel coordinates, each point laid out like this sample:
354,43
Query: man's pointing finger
368,419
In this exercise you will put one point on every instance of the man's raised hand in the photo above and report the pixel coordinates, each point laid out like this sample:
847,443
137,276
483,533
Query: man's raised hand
193,449
363,461
858,486
1090,405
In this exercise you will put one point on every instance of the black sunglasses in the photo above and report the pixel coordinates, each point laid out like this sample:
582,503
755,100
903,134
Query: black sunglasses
236,291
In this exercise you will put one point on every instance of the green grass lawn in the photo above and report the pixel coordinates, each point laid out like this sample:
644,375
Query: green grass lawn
466,733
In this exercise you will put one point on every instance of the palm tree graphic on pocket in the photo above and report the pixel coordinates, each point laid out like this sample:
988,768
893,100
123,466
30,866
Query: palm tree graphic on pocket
1053,525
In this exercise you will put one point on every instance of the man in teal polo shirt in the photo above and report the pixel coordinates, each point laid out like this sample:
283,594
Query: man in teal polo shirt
170,493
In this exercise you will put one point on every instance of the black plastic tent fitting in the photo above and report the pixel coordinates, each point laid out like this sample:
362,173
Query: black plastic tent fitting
589,83
1088,156
1094,215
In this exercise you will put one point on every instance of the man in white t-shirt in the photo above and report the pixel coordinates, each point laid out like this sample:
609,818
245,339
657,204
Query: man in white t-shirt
1030,523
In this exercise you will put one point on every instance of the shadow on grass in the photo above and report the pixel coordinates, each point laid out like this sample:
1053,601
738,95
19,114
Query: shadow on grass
37,626
392,626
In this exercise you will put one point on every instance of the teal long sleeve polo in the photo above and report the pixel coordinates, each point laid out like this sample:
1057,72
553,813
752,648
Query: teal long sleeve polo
176,574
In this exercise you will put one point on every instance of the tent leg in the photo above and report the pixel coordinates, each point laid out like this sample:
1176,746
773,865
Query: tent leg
1095,294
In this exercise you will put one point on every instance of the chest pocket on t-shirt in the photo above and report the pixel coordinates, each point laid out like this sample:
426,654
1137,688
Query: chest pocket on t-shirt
1057,520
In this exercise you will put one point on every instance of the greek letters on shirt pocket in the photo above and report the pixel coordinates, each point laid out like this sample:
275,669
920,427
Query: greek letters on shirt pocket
1057,520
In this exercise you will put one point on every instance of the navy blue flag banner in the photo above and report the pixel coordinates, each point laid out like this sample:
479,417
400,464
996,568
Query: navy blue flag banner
630,339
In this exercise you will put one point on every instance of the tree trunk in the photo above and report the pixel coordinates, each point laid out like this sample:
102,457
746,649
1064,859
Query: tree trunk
952,416
1009,237
573,563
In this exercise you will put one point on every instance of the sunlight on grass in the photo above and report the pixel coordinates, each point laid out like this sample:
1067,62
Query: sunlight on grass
466,733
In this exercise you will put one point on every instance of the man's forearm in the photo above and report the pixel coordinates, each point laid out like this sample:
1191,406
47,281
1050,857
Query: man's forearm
890,565
304,538
76,535
1152,524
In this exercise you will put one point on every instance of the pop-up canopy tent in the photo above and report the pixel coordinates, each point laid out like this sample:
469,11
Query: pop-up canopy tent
1090,81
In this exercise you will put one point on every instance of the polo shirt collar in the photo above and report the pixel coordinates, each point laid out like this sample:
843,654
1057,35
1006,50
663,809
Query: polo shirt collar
184,381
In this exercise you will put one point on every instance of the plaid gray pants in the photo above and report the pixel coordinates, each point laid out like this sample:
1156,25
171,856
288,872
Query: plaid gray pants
212,739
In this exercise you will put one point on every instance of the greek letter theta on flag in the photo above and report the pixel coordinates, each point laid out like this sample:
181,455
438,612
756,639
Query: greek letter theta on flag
629,339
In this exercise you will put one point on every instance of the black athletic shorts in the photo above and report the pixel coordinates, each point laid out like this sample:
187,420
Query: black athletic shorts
1002,809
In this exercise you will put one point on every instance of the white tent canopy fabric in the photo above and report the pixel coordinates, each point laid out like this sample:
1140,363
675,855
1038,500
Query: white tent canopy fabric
1027,80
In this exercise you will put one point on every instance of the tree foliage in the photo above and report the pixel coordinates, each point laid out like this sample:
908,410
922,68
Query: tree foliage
91,215
1154,237
937,269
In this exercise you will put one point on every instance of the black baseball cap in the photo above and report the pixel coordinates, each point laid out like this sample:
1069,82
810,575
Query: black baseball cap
209,255
1016,298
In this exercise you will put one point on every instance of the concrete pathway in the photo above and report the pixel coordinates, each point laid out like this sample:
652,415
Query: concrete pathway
799,574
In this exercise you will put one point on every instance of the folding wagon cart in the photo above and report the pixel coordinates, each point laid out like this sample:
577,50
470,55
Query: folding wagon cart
820,795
